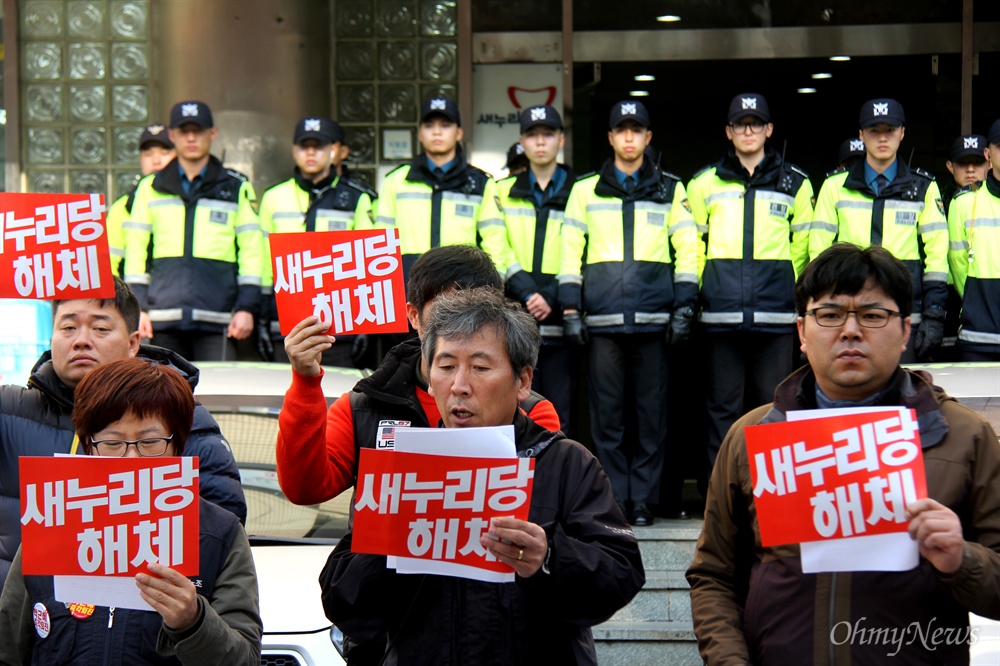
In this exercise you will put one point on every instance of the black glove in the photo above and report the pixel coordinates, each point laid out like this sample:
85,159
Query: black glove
264,346
930,332
680,325
574,330
359,349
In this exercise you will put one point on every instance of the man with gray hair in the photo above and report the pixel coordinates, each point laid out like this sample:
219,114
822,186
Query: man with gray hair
576,559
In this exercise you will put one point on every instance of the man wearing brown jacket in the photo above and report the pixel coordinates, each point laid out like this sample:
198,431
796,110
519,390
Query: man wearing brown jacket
752,604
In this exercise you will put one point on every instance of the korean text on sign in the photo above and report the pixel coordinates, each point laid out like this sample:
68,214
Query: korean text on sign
351,280
835,477
54,247
436,507
83,515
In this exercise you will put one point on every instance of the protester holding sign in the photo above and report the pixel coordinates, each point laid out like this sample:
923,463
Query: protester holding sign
576,559
132,408
35,421
317,448
753,604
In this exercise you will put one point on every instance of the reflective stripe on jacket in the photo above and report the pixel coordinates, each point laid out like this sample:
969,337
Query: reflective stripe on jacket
117,214
193,259
906,218
974,224
756,241
458,208
641,251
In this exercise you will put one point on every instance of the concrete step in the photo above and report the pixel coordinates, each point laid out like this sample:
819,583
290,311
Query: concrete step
646,643
664,597
669,545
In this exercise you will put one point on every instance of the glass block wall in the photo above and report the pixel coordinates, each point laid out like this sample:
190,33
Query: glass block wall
85,93
390,55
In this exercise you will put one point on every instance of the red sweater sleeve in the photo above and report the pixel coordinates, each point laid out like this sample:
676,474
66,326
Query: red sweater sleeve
545,415
315,448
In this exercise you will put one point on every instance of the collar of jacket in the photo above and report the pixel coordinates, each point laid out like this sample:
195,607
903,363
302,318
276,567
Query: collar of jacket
766,173
395,379
521,189
168,180
907,388
992,184
456,178
648,188
44,377
532,440
315,190
902,186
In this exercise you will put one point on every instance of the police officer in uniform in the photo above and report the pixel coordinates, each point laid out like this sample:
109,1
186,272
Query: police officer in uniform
753,210
851,151
631,223
966,163
438,198
882,201
315,198
194,251
974,258
155,151
532,203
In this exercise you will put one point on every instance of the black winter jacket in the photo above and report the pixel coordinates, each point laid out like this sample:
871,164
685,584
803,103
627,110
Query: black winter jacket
37,421
594,564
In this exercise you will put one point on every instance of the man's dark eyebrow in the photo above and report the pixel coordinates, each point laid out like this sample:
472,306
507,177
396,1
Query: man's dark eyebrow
76,315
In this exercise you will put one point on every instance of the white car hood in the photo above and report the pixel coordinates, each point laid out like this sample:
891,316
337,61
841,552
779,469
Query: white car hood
288,578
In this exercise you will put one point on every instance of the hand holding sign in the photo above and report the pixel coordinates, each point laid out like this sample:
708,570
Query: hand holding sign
305,346
520,544
170,594
938,532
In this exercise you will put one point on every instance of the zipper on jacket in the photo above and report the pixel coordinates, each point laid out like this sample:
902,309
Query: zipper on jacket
107,637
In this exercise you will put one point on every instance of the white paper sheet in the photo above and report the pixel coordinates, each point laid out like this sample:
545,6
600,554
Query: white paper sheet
492,442
874,552
117,591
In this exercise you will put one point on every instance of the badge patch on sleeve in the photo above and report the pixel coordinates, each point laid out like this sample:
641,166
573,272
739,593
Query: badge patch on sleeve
386,436
779,210
906,218
940,205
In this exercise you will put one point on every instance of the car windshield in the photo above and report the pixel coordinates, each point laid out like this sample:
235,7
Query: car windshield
245,400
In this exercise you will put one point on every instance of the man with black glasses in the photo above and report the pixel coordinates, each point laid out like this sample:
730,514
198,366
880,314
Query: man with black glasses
753,604
753,210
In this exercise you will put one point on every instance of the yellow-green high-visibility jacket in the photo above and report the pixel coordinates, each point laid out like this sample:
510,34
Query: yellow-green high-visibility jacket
458,208
533,236
974,257
116,217
300,205
906,218
193,259
755,232
628,259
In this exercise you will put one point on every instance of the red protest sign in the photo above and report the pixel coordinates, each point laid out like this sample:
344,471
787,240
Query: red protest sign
436,507
88,515
835,477
55,246
352,280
